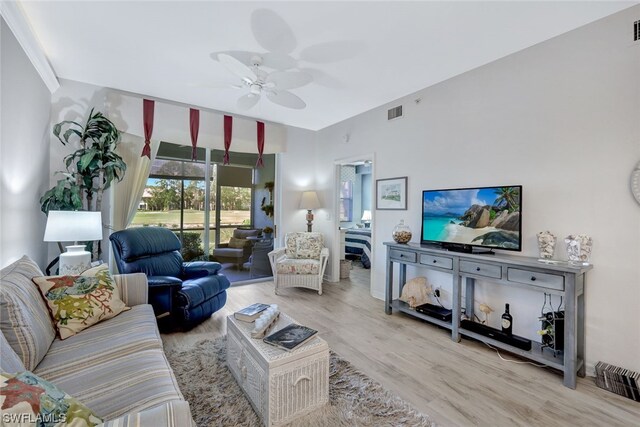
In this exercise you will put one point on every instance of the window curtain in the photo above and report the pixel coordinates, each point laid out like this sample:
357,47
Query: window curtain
128,192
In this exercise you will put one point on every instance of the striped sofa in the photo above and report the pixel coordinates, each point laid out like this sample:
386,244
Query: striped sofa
117,367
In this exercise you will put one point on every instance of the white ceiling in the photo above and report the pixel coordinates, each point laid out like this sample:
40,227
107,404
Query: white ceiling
162,49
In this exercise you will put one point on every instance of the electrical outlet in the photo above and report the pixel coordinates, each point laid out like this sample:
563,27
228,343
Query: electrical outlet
436,292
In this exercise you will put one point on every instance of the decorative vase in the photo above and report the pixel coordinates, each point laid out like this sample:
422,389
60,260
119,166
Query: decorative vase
401,233
546,244
579,249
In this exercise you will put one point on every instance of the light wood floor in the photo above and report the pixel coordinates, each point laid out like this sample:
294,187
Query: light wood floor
456,384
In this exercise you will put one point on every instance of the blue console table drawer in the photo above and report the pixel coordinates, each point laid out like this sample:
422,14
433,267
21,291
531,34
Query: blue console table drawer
542,280
437,261
405,256
481,269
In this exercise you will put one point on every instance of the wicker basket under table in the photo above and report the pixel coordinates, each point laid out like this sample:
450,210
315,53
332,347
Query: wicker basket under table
280,385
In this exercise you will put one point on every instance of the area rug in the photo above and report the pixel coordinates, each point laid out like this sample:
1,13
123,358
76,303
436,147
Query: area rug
217,400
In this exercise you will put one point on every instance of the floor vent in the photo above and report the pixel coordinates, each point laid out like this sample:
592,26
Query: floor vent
618,380
636,31
394,113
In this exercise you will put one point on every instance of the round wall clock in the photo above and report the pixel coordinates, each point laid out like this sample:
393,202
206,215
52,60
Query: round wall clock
635,182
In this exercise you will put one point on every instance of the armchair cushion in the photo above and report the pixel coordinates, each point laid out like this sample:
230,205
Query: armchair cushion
304,245
196,269
238,243
153,251
228,253
197,291
163,281
298,266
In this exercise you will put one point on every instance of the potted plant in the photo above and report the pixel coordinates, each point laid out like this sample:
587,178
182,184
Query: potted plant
267,232
90,169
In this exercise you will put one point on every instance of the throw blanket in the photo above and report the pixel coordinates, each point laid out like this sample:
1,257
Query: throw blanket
359,242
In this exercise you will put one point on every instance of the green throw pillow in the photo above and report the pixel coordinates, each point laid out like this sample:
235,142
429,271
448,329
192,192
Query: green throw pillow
28,400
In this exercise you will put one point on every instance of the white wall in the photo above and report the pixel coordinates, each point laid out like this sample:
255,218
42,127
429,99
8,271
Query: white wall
24,154
562,118
295,173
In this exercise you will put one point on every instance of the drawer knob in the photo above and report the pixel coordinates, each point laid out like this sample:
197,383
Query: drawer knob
477,268
533,278
302,378
435,261
401,255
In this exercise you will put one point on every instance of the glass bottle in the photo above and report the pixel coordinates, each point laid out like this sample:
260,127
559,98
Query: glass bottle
507,321
401,233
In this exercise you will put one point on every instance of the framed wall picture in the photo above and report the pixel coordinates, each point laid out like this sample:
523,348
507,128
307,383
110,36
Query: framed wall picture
391,193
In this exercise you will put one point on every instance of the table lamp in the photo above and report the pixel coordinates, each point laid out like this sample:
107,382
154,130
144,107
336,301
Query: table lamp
366,218
73,226
309,202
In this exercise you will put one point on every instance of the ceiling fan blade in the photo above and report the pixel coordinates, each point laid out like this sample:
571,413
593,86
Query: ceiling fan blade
289,79
236,67
286,99
216,86
324,53
272,32
247,101
323,79
278,61
243,56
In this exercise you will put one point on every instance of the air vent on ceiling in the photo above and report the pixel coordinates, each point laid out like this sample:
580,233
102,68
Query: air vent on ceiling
394,113
636,31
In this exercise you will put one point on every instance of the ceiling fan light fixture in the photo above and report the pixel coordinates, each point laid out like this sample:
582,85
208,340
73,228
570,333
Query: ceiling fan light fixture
255,89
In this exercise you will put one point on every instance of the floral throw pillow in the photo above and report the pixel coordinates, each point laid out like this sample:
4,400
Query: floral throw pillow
28,400
77,302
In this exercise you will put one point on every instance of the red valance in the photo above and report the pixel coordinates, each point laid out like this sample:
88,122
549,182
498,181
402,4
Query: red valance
194,126
147,120
260,126
228,127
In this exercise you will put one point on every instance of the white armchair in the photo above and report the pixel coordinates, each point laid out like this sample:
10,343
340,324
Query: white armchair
301,263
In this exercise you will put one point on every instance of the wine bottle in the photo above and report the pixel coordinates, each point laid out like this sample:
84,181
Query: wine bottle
507,321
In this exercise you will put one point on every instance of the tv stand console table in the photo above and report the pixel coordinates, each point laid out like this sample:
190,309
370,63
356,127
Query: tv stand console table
514,271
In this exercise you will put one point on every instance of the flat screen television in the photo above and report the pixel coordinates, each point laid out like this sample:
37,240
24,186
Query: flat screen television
466,218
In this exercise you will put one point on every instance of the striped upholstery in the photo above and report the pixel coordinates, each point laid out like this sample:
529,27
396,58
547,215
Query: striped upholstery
172,414
24,317
9,360
117,386
133,288
129,332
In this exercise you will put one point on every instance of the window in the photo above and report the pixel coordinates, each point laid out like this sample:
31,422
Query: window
346,201
175,198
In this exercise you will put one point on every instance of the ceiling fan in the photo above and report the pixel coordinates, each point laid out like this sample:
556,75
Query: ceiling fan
274,85
278,44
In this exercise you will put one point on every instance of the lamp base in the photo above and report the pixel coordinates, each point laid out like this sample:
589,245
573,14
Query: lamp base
309,220
74,261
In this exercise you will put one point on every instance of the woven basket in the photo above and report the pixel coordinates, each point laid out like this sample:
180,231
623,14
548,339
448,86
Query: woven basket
345,268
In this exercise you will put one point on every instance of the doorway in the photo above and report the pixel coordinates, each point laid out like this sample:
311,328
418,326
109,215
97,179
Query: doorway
354,216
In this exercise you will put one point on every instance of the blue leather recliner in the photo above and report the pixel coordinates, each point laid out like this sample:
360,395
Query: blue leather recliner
199,290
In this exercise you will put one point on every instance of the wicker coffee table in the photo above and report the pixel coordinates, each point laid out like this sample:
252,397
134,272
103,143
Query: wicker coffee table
280,385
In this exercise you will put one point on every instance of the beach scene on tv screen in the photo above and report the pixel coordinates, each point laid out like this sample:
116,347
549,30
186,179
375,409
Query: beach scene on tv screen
480,216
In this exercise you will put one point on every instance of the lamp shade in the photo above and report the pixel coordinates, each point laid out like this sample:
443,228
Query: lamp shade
309,200
73,226
366,216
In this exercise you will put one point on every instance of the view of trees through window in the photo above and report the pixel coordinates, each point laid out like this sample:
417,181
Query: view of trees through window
175,198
